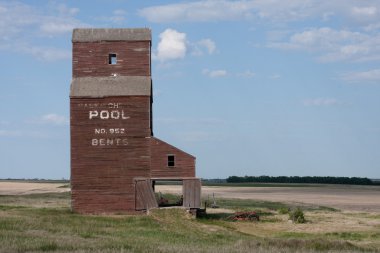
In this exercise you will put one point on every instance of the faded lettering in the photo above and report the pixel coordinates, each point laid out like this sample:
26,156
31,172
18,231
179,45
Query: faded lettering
100,131
110,142
109,131
113,105
109,136
93,114
105,114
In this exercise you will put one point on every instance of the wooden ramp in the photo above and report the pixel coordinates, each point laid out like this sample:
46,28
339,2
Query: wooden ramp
145,198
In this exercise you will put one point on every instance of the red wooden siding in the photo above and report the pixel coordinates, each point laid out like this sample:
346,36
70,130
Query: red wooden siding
184,163
91,58
113,153
102,175
145,198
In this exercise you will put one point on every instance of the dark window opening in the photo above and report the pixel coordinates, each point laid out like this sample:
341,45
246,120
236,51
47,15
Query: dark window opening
171,161
112,59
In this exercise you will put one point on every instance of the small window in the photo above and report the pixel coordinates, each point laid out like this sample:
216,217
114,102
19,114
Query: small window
112,59
171,161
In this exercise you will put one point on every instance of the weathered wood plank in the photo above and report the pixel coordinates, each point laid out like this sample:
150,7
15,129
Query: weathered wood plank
91,58
102,163
111,136
184,163
192,193
145,198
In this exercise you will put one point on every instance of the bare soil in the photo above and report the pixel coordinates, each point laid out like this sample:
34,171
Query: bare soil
343,197
22,188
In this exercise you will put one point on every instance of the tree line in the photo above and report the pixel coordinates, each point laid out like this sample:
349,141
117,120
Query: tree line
296,179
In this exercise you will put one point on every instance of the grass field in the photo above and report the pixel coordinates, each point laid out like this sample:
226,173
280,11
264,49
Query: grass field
44,222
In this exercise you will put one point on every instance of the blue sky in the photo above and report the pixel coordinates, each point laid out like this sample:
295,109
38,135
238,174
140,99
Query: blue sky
261,87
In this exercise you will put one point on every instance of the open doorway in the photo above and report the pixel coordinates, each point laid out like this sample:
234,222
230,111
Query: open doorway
165,199
189,196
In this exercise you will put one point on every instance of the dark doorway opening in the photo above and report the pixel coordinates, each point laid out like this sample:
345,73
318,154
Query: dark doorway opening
168,199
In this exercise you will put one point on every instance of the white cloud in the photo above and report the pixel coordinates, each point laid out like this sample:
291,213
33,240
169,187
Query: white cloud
172,46
54,119
61,22
246,74
359,43
365,11
10,133
208,44
118,17
66,11
197,11
19,133
214,73
203,46
372,27
50,119
334,45
321,102
21,24
223,73
275,76
318,38
364,76
18,18
276,11
212,10
53,28
326,16
46,54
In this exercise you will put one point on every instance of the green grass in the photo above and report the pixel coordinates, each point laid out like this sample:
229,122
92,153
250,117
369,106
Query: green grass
317,244
36,200
44,223
41,229
171,198
9,199
375,216
354,236
325,208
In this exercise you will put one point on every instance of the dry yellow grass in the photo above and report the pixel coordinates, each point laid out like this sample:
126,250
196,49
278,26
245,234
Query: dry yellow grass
21,188
43,222
322,224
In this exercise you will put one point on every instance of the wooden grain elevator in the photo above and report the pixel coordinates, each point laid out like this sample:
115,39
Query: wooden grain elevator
115,159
